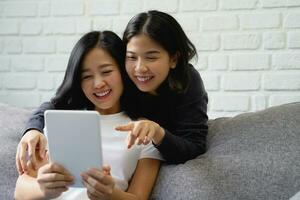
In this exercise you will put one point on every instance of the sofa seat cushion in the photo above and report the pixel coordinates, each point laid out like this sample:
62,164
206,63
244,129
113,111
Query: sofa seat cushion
250,156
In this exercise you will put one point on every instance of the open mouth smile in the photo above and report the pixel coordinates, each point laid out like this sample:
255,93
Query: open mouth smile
103,94
144,79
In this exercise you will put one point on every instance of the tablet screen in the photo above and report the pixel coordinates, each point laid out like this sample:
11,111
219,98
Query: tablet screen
74,140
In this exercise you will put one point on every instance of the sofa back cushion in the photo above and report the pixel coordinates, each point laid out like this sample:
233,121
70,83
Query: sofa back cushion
250,156
12,121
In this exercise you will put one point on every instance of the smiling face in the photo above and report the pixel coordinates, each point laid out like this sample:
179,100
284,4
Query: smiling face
147,63
101,81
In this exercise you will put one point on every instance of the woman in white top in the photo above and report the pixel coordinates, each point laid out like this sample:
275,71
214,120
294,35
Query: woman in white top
95,80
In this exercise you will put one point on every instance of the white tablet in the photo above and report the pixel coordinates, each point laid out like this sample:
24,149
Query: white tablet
74,140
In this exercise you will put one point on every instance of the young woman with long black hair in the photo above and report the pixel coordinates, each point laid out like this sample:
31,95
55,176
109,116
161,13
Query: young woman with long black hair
95,79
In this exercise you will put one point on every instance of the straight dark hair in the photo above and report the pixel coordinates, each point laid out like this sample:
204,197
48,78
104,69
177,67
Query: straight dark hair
167,32
69,95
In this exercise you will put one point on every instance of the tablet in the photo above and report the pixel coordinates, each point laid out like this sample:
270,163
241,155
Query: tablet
74,140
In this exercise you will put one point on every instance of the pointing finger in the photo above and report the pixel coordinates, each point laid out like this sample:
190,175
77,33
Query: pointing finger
127,127
131,140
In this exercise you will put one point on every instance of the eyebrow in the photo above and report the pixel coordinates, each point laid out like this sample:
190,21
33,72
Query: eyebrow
148,52
100,66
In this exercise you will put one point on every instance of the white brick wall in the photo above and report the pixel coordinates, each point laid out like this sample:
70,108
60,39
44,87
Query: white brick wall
19,82
273,3
196,5
9,27
27,63
20,9
274,40
249,50
241,41
249,61
1,45
241,82
131,6
4,64
220,22
238,4
294,40
67,7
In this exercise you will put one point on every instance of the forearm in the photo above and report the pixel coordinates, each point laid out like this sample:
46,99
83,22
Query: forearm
27,188
36,120
142,182
176,149
185,137
119,194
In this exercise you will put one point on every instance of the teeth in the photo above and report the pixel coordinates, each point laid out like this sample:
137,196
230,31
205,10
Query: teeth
143,78
101,94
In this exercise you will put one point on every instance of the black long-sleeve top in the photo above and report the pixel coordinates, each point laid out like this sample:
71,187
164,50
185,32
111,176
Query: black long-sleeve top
183,117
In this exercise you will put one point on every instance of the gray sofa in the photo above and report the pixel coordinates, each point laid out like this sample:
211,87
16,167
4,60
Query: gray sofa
250,156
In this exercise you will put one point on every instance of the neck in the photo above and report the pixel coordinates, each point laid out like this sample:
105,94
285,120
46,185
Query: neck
113,110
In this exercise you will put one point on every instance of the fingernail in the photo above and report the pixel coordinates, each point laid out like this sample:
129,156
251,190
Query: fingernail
89,169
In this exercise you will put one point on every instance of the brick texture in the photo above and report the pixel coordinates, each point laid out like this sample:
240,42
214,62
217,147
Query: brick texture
248,50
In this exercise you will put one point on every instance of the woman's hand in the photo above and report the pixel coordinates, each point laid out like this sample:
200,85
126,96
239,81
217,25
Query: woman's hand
99,183
142,132
53,180
33,140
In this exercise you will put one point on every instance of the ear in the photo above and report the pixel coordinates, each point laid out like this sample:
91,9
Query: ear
173,60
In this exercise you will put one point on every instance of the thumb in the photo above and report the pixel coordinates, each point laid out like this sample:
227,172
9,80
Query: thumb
106,169
126,127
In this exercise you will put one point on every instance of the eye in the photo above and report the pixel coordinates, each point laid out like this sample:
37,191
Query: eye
84,77
151,58
107,71
129,57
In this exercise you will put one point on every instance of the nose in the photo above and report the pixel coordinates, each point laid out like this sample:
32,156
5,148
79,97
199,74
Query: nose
99,82
140,66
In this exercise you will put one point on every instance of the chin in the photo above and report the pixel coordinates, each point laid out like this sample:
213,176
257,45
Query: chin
144,90
104,107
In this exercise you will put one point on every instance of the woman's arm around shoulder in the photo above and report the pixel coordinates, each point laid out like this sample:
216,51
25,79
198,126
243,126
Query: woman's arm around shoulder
186,137
32,138
36,119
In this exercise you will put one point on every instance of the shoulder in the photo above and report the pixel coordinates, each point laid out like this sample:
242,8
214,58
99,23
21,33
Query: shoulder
195,92
149,151
194,76
47,105
195,85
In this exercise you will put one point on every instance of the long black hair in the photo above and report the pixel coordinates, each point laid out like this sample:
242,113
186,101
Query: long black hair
69,95
167,32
